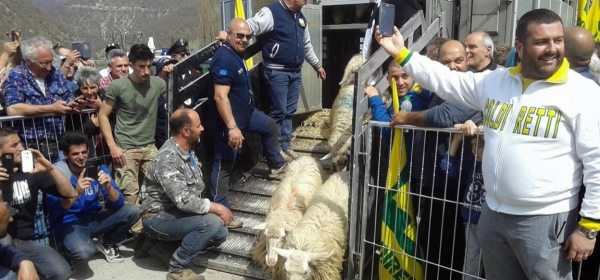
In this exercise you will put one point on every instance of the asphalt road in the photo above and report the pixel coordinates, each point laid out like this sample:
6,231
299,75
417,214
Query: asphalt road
146,269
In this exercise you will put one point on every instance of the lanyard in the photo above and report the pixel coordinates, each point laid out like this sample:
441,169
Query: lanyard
248,80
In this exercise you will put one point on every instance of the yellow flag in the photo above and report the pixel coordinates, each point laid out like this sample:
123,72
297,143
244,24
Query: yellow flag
589,17
239,13
398,225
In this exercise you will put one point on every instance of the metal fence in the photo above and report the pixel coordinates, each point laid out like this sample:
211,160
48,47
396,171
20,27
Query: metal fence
443,191
43,133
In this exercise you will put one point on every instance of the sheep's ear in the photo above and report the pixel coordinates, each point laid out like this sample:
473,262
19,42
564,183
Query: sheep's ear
287,227
312,257
260,226
283,252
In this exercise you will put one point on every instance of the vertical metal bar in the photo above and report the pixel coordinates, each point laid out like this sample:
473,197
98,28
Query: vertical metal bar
365,209
170,93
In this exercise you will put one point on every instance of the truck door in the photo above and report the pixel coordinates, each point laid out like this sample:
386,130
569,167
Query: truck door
311,91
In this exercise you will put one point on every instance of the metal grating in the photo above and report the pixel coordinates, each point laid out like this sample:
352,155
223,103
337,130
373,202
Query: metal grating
237,243
249,203
229,263
256,186
261,169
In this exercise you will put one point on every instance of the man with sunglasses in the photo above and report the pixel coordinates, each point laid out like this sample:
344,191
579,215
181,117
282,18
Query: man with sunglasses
233,104
285,45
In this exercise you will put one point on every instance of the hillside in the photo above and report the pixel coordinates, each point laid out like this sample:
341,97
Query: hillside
22,15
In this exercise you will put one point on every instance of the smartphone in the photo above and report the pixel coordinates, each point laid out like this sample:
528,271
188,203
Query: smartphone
91,169
83,48
26,161
386,19
8,163
13,35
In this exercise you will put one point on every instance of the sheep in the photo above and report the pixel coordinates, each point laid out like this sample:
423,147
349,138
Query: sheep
340,118
301,181
315,248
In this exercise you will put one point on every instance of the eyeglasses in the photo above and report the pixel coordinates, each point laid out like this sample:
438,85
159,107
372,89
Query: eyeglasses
241,35
44,64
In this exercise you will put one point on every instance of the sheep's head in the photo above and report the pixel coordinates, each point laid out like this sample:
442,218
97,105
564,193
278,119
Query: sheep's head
297,263
274,232
353,65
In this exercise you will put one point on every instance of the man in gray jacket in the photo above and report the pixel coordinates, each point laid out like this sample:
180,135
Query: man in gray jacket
172,207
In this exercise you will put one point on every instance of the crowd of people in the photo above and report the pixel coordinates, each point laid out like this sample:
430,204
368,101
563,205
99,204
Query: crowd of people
151,187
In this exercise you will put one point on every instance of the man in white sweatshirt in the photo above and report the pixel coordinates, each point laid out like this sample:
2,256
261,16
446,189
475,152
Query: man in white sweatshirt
542,131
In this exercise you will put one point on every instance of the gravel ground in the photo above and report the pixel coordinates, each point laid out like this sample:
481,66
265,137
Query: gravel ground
146,269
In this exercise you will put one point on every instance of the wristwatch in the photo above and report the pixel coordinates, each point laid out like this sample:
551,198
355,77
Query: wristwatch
589,233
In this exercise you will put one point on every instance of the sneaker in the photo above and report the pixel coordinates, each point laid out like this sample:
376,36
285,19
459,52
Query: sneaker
277,173
291,153
186,274
235,224
112,254
285,156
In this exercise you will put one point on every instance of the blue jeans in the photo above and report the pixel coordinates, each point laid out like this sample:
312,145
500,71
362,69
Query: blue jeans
197,232
7,274
48,263
225,155
284,89
113,224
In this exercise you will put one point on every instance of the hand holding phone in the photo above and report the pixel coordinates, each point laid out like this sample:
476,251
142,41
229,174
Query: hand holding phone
387,13
91,169
26,161
13,35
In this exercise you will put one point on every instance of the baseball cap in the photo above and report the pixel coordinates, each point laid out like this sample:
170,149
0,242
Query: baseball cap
112,46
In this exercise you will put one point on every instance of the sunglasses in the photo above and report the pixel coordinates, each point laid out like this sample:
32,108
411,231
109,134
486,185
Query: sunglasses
242,35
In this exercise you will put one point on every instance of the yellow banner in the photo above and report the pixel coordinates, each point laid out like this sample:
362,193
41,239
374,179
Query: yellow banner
398,227
239,13
588,17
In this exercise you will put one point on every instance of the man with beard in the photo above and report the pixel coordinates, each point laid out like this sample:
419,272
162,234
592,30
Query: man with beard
233,106
542,140
135,99
172,206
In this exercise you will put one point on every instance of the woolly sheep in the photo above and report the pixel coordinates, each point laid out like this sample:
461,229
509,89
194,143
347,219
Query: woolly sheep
340,118
315,248
301,181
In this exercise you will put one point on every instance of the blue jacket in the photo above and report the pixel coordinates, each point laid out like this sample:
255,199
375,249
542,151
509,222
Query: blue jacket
10,257
284,45
87,205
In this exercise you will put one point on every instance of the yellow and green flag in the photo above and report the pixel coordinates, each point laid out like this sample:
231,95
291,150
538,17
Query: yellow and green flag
588,17
398,227
239,13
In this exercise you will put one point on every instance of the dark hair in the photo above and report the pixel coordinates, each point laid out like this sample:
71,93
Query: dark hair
537,16
71,138
178,122
5,132
140,52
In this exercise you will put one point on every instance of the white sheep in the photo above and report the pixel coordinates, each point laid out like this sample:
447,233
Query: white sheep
300,183
340,118
315,248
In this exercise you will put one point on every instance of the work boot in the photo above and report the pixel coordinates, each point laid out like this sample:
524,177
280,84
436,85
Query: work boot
186,274
235,224
291,153
141,247
285,156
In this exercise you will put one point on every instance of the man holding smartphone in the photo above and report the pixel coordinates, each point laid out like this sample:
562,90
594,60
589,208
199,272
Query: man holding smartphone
76,220
26,186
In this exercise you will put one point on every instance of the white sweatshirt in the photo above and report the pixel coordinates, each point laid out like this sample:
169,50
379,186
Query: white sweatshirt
540,144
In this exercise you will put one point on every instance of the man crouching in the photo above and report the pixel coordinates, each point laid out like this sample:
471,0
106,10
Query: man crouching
172,207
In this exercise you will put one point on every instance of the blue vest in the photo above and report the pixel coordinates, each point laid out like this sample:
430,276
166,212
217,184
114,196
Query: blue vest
283,47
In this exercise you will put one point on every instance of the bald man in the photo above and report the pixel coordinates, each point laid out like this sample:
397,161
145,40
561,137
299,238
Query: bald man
480,51
579,47
233,106
13,264
452,54
173,208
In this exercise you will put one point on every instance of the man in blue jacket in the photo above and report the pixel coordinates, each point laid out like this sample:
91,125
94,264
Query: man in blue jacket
78,219
13,263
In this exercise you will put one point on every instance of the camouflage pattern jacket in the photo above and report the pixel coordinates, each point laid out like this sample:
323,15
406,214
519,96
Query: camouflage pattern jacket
172,181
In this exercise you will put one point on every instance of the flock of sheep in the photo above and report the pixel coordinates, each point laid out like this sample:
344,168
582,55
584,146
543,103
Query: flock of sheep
306,224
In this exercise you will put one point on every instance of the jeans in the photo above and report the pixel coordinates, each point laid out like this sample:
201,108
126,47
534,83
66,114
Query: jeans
113,224
225,155
284,89
197,232
49,264
7,274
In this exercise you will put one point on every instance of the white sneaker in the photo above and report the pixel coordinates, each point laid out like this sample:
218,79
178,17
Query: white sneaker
112,254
